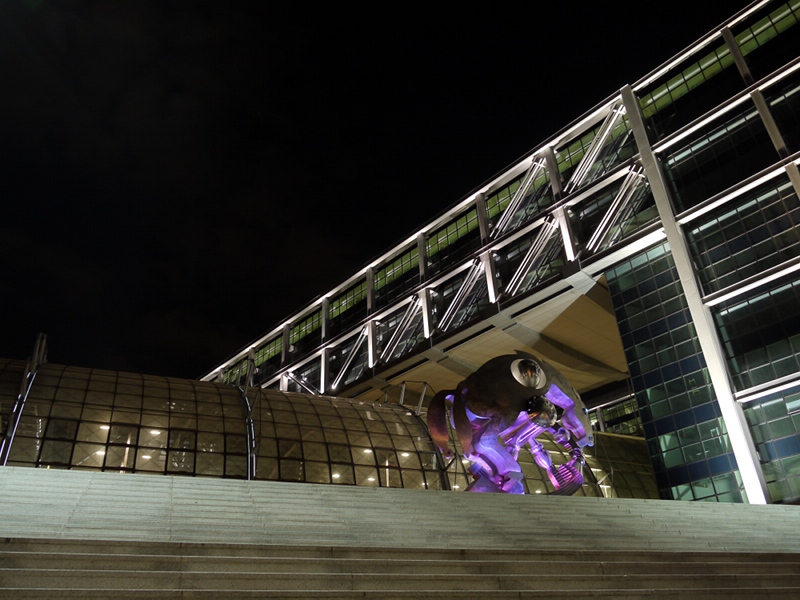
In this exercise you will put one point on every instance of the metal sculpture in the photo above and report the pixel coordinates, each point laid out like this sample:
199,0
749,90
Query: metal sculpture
505,405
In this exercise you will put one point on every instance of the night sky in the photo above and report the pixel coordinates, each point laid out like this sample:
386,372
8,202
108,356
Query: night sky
178,177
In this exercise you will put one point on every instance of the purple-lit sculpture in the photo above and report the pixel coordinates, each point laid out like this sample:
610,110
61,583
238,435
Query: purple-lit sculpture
505,405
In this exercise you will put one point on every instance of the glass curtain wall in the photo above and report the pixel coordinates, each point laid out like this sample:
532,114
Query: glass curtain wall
686,436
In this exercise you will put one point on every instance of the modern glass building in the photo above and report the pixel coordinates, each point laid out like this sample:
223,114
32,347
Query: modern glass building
650,250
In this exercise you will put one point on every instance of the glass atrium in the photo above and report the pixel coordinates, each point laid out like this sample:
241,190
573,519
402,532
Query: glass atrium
89,419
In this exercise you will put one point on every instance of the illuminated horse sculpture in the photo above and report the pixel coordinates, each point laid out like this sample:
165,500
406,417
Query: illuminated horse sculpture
505,405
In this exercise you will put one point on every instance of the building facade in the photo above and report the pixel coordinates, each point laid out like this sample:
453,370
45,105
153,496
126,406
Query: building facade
653,241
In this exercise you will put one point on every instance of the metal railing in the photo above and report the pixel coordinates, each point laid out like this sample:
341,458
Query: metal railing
38,357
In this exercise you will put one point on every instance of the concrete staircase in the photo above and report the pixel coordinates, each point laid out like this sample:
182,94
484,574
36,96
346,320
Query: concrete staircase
73,534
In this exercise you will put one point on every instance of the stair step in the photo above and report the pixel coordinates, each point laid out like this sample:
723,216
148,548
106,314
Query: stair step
773,593
131,536
44,579
421,565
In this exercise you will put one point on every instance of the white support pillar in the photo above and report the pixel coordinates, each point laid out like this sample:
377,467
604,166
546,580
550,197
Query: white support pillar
483,221
769,123
742,443
372,343
251,368
370,290
794,177
324,371
490,272
566,232
427,316
422,254
285,347
736,54
552,169
325,308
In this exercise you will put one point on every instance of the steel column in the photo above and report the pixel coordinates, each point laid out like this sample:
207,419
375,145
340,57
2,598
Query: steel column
738,432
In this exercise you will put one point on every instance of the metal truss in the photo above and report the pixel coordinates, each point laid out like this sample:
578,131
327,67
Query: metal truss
351,356
537,168
591,156
464,294
400,329
534,257
626,203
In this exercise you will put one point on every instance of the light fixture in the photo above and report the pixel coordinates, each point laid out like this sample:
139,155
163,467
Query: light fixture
146,456
370,479
367,451
404,454
155,431
105,427
100,452
335,476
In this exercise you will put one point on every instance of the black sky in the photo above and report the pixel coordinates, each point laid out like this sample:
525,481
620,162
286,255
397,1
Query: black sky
177,177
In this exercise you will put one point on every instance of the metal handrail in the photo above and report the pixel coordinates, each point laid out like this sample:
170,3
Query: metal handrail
38,357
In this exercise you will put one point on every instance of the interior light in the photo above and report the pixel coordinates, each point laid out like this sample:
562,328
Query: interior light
404,454
155,431
370,479
336,476
367,451
538,491
106,427
100,452
146,456
455,487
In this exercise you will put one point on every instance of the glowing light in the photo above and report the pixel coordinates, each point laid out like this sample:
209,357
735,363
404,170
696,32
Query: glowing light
455,487
367,451
105,427
146,456
155,431
370,479
100,452
335,476
404,454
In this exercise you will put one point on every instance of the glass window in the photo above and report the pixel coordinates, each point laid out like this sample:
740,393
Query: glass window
453,242
526,264
537,197
676,401
348,309
720,156
396,278
681,96
398,336
760,333
768,39
622,208
784,103
305,335
746,236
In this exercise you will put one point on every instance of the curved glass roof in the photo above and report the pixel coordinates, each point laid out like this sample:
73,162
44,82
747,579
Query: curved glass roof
77,418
